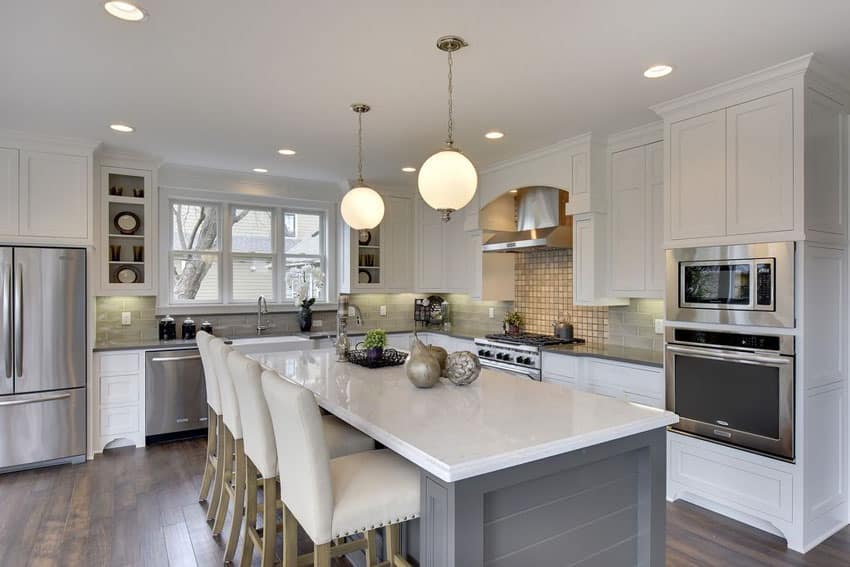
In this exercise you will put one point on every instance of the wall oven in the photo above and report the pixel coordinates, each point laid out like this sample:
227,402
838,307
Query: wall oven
740,285
733,388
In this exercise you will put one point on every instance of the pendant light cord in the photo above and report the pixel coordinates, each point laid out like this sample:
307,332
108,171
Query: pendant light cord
450,141
360,148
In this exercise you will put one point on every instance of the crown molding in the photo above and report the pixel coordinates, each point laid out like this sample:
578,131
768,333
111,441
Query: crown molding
585,139
36,142
637,136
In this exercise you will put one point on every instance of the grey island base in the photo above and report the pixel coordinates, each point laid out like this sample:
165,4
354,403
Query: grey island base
514,472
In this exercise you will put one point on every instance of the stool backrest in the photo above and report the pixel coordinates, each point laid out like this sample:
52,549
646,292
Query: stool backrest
229,405
257,432
305,472
210,380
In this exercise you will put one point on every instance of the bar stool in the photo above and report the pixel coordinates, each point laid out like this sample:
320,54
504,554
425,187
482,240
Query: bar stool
232,449
261,455
332,498
214,426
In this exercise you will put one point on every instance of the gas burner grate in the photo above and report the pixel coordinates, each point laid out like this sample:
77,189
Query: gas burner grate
533,339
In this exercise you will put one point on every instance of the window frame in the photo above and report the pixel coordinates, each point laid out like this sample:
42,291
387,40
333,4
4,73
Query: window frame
226,203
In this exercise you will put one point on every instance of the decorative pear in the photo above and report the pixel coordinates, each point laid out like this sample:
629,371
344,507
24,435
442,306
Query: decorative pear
441,355
422,367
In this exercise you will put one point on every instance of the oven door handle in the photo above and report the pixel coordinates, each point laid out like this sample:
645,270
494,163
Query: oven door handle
751,358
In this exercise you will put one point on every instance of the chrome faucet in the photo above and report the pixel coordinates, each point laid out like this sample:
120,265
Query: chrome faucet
262,309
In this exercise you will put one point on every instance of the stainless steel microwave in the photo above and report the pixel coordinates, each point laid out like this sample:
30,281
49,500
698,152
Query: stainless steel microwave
740,285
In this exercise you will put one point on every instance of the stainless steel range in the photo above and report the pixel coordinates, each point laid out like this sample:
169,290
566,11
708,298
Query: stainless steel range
517,354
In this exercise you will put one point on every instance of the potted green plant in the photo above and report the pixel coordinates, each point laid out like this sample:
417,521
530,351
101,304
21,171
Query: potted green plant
375,341
513,321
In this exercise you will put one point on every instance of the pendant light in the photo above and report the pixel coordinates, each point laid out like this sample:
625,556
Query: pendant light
362,207
447,179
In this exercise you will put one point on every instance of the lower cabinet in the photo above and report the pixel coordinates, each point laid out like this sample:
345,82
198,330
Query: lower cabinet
118,418
625,381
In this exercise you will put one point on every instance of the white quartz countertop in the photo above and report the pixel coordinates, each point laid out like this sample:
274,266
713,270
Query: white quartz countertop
453,432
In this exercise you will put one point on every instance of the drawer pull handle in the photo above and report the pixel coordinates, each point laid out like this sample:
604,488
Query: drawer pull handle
182,420
35,400
205,419
175,358
720,433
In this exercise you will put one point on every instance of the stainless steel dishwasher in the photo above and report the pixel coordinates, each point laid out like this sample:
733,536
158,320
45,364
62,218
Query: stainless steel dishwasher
175,395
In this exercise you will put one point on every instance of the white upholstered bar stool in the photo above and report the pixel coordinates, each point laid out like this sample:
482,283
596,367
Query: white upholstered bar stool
214,427
232,450
261,455
332,498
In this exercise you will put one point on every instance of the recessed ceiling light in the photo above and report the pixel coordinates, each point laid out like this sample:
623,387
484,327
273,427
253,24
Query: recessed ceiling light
122,128
512,191
658,71
260,170
127,11
494,135
408,169
286,152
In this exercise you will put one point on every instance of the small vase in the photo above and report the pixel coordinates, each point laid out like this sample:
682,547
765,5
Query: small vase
512,329
374,354
305,319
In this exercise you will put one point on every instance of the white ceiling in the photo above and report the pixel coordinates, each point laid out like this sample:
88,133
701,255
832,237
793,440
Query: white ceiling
224,83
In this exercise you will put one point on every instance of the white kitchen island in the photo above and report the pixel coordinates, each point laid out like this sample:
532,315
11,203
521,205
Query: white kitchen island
514,472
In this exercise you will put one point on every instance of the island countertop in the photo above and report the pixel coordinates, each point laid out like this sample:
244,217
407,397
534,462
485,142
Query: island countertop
454,433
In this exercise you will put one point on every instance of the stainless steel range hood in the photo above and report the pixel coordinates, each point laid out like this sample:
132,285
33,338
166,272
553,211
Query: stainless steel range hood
542,223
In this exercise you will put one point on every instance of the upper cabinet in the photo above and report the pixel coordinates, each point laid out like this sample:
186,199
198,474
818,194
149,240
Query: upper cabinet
444,253
45,192
757,159
637,201
590,266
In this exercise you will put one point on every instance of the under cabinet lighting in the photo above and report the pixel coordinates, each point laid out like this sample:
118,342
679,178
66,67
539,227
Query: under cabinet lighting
658,71
124,10
123,128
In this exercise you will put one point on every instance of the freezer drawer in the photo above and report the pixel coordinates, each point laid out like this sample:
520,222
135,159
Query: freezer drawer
175,395
42,427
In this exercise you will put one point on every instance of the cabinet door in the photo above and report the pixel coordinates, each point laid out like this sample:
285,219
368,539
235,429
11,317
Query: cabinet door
456,260
583,268
698,176
398,239
55,195
430,276
8,191
760,165
655,218
628,221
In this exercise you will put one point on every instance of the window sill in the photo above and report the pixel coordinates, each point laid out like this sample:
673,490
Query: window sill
246,309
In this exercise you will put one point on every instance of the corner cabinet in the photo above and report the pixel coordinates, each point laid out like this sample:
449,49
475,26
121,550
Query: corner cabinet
590,261
380,259
45,193
637,209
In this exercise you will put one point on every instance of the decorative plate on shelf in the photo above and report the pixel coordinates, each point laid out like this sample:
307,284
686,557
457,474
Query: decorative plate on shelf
363,276
128,274
127,222
364,237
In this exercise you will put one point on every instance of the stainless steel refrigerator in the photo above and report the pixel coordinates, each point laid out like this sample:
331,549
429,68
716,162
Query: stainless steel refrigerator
42,356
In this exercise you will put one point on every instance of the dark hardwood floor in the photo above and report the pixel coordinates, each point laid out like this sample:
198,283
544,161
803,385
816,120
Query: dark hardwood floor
139,507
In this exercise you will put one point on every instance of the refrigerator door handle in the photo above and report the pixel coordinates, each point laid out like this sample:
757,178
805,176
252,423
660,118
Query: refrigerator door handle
6,322
19,321
34,400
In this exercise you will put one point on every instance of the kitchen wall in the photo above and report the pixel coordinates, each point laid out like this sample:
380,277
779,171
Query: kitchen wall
544,293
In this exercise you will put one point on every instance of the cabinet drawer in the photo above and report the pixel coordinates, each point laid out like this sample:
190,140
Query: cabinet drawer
560,380
119,389
561,365
116,421
643,381
120,363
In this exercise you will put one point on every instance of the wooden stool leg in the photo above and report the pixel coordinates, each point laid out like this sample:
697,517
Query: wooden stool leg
212,508
391,540
225,469
290,539
209,473
238,503
251,492
269,521
322,555
371,548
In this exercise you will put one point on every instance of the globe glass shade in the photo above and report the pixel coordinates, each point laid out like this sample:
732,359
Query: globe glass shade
447,180
362,208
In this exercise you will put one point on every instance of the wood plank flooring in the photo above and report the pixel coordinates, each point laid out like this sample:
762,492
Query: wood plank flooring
139,507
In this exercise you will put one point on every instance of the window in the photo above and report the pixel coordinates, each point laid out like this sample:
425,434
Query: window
230,254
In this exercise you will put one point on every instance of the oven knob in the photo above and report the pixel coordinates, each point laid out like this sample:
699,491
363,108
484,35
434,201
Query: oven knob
481,352
527,360
506,358
488,354
501,356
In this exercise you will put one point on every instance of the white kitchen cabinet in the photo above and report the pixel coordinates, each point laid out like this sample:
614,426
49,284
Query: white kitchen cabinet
637,254
118,409
55,196
698,176
444,252
760,165
9,191
590,261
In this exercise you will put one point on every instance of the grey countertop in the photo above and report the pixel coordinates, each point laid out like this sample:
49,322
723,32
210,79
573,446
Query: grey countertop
645,356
